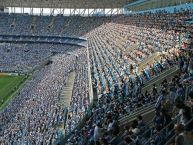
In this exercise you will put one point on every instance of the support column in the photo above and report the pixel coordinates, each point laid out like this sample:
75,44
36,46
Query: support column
41,11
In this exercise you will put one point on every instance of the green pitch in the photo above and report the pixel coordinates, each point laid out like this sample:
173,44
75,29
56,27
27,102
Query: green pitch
8,86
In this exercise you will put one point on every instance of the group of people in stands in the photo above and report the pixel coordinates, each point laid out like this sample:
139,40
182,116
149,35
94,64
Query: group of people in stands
103,127
80,98
116,51
24,24
113,68
24,58
35,114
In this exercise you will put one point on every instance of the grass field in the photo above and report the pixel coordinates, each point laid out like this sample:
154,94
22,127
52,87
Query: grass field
8,86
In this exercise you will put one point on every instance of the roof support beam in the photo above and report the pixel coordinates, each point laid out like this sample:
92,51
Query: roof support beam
31,11
73,12
83,12
41,11
52,11
63,11
89,14
110,12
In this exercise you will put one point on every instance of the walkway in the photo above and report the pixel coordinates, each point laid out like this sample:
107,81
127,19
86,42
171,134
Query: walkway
66,93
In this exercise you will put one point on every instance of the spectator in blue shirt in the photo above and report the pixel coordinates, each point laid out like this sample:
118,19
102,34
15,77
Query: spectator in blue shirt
160,100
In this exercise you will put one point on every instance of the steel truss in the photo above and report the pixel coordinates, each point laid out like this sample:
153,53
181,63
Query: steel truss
67,12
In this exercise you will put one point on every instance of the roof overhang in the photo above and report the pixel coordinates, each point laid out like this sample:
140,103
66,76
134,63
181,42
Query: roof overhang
75,4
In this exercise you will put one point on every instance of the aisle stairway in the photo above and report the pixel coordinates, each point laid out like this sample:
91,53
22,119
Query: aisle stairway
67,91
65,99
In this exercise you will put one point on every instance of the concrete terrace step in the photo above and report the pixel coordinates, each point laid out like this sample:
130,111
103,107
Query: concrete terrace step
158,79
149,60
143,111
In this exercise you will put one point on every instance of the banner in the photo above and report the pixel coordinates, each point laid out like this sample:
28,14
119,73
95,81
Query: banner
8,74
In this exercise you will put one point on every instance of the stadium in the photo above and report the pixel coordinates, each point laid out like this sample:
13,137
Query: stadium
109,72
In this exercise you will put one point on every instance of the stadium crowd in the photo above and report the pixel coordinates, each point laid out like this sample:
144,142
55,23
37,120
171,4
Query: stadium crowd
110,65
33,115
115,70
24,58
80,97
103,123
24,24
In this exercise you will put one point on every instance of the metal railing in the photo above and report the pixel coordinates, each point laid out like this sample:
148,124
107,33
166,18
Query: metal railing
173,137
165,133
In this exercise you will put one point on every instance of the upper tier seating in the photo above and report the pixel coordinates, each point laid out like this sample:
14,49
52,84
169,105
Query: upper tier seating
48,25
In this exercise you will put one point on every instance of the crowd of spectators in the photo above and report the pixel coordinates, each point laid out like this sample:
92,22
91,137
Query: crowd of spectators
162,20
77,26
33,115
102,126
23,58
116,73
111,64
171,107
80,97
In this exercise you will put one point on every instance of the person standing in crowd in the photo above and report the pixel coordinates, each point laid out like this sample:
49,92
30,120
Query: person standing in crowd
190,67
97,133
184,112
180,138
154,90
160,100
191,99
